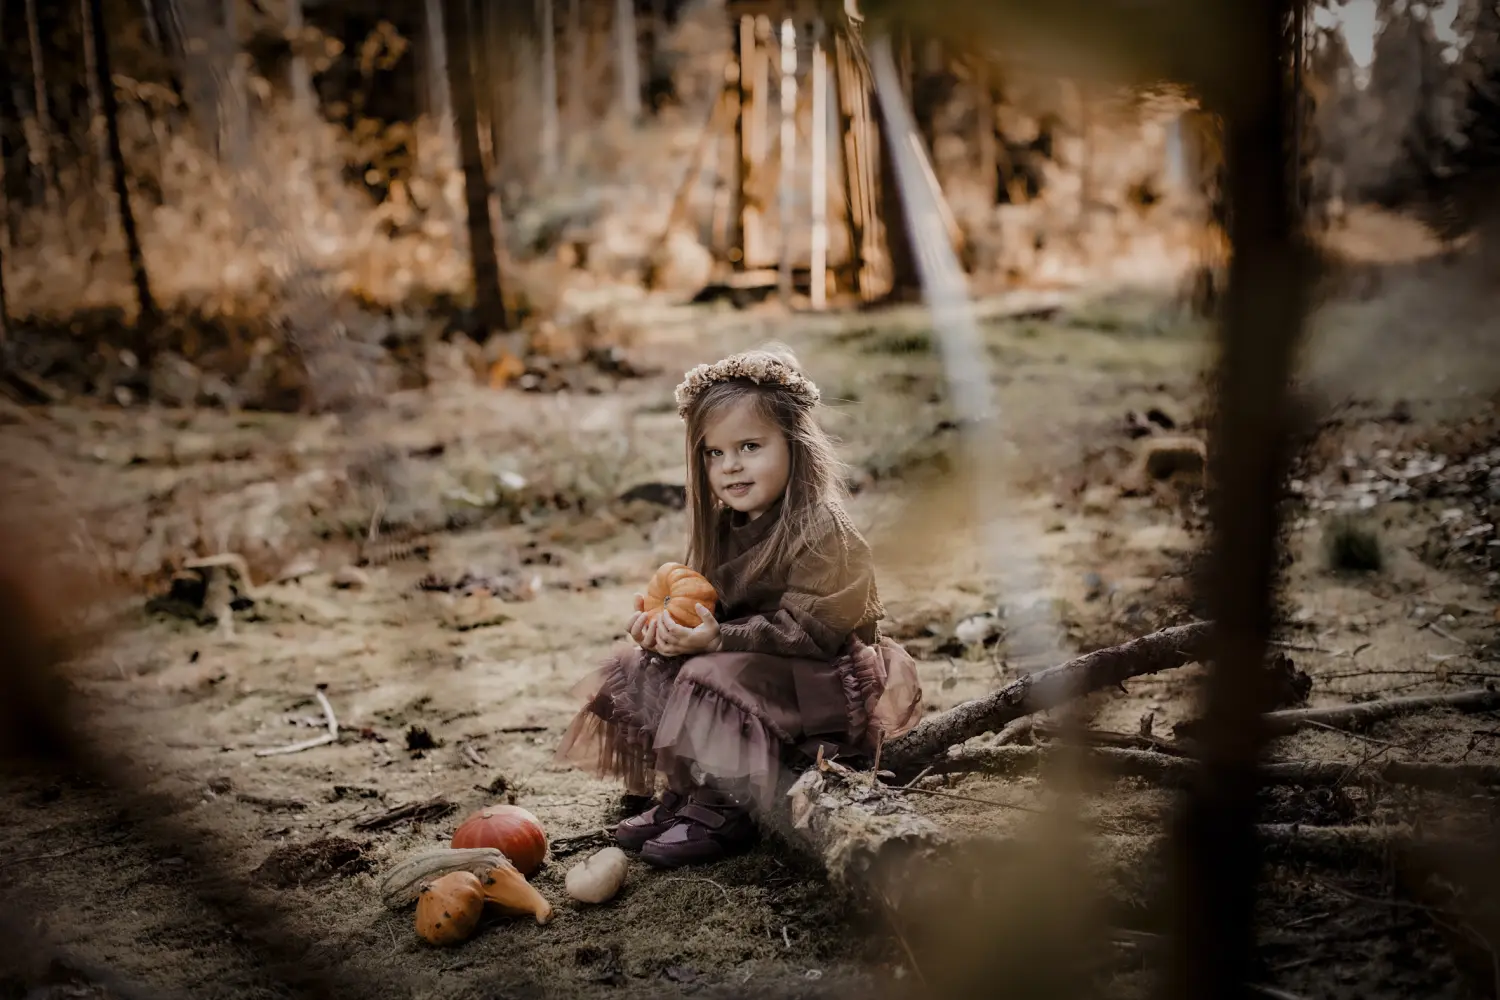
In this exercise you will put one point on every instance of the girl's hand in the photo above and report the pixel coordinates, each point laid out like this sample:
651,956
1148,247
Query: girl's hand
640,627
673,639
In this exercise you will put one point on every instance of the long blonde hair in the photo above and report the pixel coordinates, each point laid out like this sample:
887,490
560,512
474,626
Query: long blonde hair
815,480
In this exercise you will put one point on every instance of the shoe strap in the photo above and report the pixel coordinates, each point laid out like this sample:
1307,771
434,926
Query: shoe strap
702,815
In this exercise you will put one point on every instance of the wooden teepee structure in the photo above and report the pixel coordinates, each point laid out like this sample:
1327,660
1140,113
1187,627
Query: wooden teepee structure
752,237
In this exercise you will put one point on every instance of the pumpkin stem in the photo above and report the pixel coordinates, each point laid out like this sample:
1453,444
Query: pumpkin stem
508,889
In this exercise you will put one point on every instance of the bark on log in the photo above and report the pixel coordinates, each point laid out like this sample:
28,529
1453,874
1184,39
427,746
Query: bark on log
1045,689
867,836
1011,761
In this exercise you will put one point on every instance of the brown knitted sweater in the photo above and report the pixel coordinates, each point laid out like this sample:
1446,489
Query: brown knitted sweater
810,602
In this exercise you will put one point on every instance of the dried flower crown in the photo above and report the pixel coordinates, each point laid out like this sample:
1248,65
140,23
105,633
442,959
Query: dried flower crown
759,367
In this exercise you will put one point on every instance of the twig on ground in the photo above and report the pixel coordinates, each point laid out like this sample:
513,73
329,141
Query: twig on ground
895,926
1273,993
920,775
564,846
1304,647
332,736
1356,736
376,516
271,803
966,798
414,811
1439,630
65,852
1105,738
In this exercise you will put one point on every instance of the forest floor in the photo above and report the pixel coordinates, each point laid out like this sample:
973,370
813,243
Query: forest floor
449,593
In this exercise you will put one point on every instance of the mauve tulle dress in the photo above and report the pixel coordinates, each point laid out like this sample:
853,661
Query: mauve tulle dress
803,662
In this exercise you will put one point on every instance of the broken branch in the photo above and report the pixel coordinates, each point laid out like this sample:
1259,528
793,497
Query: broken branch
415,811
1045,689
1176,771
1356,716
331,736
1105,738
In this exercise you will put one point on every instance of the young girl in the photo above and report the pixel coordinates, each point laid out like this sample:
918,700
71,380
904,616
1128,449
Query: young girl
792,656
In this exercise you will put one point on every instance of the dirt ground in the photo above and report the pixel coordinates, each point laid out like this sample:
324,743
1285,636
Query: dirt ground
449,586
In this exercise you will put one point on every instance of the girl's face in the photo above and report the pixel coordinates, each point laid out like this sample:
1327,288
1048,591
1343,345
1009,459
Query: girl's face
747,459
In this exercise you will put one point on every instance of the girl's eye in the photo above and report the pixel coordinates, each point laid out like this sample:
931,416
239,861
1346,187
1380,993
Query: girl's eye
751,446
714,453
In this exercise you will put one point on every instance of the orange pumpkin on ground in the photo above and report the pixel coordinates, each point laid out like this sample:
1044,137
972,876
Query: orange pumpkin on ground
676,588
511,830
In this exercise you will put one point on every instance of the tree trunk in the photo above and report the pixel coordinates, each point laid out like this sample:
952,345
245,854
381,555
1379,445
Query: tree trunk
549,131
755,90
489,303
905,282
144,301
235,117
578,48
4,307
744,53
96,110
440,100
481,30
503,129
301,76
819,153
784,181
42,148
7,218
628,60
984,134
153,27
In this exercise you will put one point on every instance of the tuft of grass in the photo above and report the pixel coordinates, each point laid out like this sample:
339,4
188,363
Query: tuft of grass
1352,546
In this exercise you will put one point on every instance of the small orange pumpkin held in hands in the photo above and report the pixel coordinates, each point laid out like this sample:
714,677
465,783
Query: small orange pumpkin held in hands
449,907
511,830
676,589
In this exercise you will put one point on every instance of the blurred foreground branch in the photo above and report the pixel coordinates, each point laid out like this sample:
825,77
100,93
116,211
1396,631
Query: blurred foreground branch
45,608
1212,900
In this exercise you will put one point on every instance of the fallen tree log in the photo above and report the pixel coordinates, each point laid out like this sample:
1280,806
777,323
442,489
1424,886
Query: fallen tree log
1045,689
878,848
1010,761
1364,713
867,836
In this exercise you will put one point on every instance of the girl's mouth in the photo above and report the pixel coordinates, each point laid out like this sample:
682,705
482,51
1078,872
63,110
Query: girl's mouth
738,489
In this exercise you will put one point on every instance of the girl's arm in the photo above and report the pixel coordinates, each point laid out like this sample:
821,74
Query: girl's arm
827,594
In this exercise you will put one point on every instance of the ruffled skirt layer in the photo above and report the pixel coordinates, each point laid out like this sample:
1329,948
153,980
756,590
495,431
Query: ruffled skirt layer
736,718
